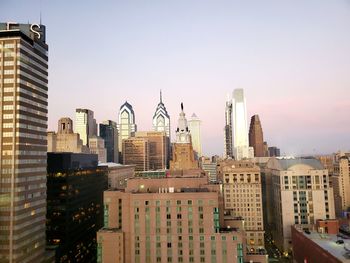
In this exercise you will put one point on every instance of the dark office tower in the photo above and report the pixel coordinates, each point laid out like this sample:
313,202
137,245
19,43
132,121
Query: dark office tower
228,151
75,186
256,138
109,132
23,128
274,151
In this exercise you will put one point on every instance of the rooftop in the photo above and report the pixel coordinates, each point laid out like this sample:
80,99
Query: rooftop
328,243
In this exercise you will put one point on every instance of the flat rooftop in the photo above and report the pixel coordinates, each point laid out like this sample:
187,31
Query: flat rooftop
328,243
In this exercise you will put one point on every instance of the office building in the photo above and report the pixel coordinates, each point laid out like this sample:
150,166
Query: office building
75,186
274,151
161,118
243,199
183,154
23,141
158,148
209,166
97,146
228,151
341,182
109,133
118,174
194,125
241,149
85,124
166,220
300,194
256,137
65,140
126,124
136,152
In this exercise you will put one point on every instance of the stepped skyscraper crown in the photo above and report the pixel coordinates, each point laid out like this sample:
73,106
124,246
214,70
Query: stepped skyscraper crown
161,118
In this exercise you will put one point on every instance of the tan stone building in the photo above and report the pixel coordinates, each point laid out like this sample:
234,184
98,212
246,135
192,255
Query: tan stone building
301,194
243,198
183,157
341,182
65,140
136,152
166,220
158,144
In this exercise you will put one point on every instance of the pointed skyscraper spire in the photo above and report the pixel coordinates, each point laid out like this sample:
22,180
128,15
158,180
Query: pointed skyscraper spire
161,99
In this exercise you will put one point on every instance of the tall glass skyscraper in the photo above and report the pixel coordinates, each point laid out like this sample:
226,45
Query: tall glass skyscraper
109,132
126,125
23,141
240,127
194,125
161,118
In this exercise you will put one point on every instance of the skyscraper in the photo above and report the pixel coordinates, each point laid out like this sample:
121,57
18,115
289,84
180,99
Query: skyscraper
126,125
228,151
23,141
194,125
136,152
161,118
85,124
109,132
240,127
158,149
161,123
256,137
183,155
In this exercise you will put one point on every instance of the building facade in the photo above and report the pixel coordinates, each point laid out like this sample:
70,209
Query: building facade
65,140
209,166
118,174
85,124
243,199
158,149
109,133
97,146
274,151
341,180
75,186
166,220
183,155
228,150
194,125
241,147
256,137
126,124
23,141
161,118
136,152
301,194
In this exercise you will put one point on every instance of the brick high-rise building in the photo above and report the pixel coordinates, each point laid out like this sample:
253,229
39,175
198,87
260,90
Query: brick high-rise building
256,137
167,220
23,141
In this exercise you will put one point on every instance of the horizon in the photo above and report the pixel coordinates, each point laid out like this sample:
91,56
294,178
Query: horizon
292,59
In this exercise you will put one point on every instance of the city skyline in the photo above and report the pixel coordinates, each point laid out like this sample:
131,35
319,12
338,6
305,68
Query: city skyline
291,62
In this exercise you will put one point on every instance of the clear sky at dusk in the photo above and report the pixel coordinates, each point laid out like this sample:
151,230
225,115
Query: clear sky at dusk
292,58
